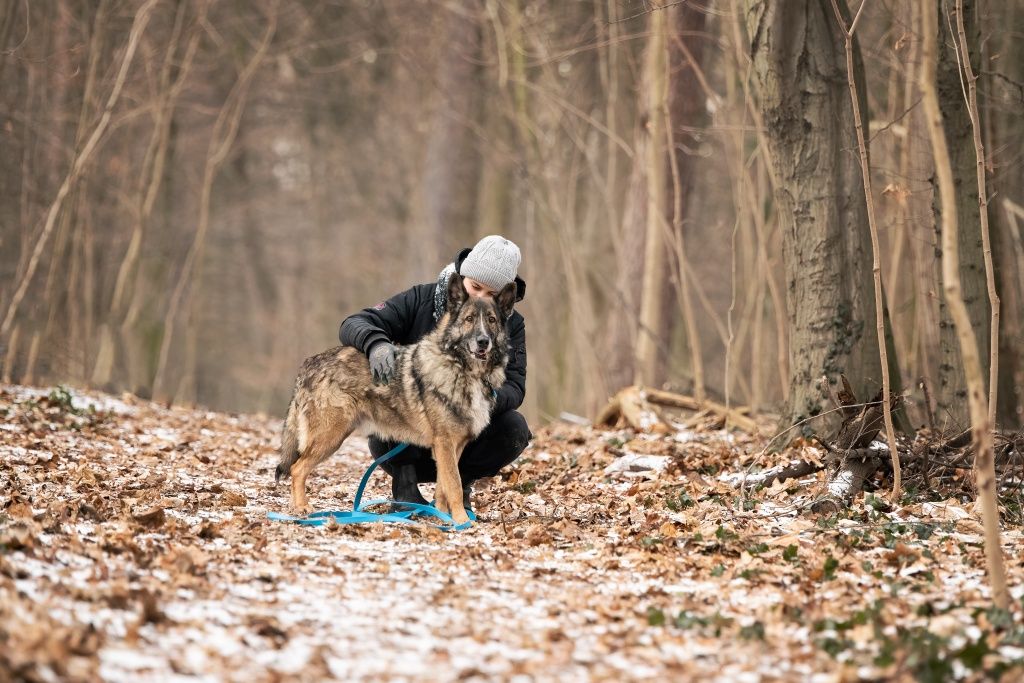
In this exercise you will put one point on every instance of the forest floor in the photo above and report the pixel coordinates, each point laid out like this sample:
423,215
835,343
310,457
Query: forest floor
135,545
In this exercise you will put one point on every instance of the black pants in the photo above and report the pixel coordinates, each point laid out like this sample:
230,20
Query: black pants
499,444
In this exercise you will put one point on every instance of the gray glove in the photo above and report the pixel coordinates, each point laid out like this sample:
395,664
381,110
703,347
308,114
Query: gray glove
382,362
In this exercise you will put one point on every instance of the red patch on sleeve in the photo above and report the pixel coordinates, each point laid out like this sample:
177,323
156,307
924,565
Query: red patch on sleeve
380,306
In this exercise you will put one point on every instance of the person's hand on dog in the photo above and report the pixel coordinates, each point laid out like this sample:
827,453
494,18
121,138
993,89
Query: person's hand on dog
382,362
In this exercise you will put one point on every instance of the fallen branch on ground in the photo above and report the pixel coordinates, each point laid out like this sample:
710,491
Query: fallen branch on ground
794,470
633,405
847,481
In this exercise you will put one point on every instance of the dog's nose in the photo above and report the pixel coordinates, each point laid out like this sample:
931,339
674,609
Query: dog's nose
483,343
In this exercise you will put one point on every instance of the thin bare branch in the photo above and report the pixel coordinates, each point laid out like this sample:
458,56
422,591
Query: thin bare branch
980,427
221,139
964,57
138,28
876,262
654,8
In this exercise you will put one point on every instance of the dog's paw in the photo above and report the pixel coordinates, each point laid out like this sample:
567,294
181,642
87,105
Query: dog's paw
455,511
300,510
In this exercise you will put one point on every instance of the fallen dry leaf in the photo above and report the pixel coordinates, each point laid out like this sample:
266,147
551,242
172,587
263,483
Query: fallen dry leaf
152,558
152,517
233,499
537,535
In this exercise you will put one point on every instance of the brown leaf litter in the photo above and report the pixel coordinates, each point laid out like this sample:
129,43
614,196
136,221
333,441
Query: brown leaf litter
135,545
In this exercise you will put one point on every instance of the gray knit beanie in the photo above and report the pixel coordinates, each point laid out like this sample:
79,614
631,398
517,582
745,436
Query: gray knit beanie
493,262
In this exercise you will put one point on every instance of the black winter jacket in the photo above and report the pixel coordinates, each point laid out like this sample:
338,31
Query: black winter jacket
408,316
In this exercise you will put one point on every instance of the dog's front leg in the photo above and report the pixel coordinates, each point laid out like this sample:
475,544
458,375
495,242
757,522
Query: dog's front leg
449,483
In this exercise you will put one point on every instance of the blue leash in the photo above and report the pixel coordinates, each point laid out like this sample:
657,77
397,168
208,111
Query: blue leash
359,515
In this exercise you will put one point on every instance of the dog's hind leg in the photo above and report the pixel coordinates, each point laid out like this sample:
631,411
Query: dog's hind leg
326,432
289,443
449,483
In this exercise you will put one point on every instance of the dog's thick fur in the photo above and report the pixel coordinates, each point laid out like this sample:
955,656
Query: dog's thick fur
440,397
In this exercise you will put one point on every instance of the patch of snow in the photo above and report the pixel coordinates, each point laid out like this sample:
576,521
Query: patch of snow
114,660
637,464
165,434
684,435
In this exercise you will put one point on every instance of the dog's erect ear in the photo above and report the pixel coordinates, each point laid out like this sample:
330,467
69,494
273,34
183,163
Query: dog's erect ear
506,299
457,293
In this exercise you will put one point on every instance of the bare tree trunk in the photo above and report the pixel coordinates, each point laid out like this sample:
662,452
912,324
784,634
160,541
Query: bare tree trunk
221,139
984,463
7,21
29,376
979,152
651,338
951,397
81,159
141,331
12,350
798,59
876,267
28,188
751,190
623,322
920,334
148,190
1004,128
57,299
66,264
627,230
687,92
1010,264
452,162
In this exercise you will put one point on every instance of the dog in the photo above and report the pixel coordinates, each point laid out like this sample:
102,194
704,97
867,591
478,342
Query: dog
440,397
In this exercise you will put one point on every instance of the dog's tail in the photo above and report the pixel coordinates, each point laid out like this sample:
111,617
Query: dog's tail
289,443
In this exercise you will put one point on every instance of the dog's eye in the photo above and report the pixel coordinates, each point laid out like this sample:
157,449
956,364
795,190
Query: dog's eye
469,318
491,319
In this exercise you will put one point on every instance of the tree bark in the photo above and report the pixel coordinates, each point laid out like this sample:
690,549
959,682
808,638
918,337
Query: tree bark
981,429
973,111
1009,223
951,395
1005,128
624,315
113,336
876,263
916,167
651,338
687,94
750,190
847,482
623,323
798,58
221,140
452,163
81,159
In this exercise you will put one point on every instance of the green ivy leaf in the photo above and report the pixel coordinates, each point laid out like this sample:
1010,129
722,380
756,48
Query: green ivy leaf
831,564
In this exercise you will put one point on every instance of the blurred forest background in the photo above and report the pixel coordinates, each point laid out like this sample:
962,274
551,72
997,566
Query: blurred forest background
194,194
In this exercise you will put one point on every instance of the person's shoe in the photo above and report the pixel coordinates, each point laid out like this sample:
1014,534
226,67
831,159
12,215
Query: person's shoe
405,488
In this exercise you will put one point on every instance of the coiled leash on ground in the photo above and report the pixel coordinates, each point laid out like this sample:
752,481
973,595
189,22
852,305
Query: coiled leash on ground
359,515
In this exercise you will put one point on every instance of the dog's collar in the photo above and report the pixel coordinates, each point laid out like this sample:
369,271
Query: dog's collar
489,388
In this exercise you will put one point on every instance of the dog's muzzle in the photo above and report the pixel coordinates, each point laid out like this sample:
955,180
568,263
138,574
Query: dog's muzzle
481,346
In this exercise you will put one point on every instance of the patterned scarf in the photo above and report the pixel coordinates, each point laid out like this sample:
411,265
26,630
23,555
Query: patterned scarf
441,292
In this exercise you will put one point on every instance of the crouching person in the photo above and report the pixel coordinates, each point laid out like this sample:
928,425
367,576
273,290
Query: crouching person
408,316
